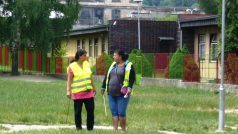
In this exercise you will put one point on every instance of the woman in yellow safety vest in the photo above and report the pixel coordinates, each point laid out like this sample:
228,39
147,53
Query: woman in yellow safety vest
81,89
118,84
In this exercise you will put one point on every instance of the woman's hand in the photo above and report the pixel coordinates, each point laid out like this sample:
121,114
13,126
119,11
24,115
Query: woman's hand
68,94
102,91
129,91
94,91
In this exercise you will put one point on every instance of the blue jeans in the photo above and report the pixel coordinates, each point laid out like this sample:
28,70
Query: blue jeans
118,105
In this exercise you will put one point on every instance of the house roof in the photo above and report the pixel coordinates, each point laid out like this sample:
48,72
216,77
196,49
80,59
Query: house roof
195,20
182,17
79,29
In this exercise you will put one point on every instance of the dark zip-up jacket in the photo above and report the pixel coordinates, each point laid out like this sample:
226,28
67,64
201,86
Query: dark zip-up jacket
132,78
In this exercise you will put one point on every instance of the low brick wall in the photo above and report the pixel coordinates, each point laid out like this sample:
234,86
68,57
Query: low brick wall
179,83
173,83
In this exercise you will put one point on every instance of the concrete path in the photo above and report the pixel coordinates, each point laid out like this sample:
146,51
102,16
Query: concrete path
10,128
33,78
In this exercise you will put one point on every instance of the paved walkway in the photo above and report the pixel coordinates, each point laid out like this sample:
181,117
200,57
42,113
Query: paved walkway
9,128
33,78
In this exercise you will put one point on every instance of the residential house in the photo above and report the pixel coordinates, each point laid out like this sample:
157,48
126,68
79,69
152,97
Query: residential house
201,34
93,39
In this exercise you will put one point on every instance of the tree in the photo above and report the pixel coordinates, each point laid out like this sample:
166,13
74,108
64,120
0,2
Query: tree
209,6
231,44
151,2
169,3
176,70
168,18
27,24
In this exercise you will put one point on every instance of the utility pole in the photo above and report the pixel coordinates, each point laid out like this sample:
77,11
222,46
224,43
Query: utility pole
222,95
138,18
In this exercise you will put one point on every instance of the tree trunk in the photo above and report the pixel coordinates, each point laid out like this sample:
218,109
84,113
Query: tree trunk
14,61
15,47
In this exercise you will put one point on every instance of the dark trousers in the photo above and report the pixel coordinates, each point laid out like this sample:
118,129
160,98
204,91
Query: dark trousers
89,105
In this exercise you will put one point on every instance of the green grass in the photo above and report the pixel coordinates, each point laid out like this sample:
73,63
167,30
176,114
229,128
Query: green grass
151,108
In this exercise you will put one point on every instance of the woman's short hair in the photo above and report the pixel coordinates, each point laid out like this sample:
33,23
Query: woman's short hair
122,54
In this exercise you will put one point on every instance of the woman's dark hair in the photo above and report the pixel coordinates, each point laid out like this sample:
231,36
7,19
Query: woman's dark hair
79,53
124,56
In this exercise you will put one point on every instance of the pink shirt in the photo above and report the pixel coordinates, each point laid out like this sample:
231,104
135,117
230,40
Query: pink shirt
80,95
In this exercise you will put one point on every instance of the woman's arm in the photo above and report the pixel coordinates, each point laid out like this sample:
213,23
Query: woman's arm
92,82
104,82
69,82
132,77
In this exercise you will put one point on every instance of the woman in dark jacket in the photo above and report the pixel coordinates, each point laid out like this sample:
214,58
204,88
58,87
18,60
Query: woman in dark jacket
120,74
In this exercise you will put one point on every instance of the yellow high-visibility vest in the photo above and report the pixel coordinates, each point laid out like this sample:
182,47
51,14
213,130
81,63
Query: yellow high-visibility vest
126,77
82,77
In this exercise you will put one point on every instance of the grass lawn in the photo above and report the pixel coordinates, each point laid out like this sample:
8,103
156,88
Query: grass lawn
151,108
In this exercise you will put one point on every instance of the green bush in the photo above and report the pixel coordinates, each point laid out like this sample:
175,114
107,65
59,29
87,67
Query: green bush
141,63
103,61
109,61
94,69
150,57
191,69
64,65
176,64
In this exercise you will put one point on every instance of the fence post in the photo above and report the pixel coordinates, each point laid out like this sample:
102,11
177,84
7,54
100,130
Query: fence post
25,60
44,62
0,55
3,58
6,57
191,73
217,68
52,65
29,57
58,65
34,61
39,61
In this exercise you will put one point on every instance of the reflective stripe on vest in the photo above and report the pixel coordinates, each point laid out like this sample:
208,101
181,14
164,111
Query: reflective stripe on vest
82,77
127,74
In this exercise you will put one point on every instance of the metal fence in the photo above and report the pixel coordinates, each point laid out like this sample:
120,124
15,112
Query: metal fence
157,65
30,61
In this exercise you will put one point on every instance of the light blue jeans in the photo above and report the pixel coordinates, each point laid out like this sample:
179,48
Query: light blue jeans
118,105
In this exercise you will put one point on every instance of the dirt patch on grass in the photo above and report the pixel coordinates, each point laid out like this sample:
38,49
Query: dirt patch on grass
227,111
231,111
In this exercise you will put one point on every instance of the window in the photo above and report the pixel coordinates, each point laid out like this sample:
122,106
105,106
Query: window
132,1
213,47
86,16
202,42
92,0
103,44
83,44
116,14
96,47
98,15
90,48
78,44
116,0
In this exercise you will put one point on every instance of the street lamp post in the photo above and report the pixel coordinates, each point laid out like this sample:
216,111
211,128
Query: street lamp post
138,17
222,95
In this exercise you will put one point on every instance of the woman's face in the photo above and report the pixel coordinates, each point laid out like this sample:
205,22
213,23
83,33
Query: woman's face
83,57
116,57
